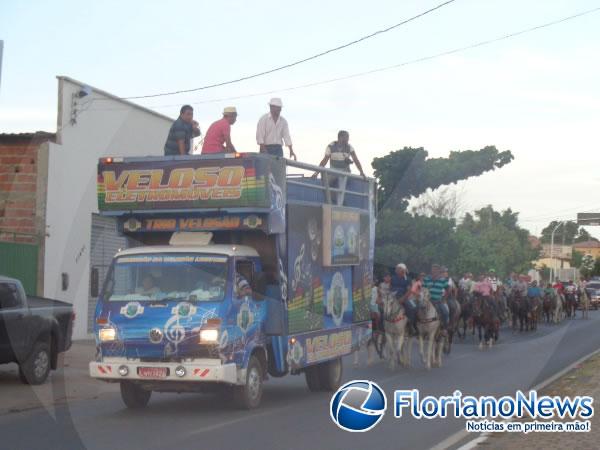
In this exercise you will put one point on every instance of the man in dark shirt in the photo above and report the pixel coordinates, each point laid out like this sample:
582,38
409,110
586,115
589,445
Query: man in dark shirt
181,133
400,281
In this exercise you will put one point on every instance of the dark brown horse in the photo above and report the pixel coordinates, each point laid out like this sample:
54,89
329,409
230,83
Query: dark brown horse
486,319
571,305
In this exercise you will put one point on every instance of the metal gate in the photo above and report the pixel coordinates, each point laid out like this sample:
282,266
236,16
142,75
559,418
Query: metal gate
104,244
20,261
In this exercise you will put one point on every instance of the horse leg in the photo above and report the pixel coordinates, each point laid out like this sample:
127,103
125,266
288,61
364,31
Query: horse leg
431,338
421,350
400,343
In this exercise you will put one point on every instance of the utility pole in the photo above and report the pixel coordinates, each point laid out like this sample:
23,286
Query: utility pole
552,249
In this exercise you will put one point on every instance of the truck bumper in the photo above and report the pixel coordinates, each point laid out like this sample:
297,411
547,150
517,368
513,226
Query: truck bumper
200,370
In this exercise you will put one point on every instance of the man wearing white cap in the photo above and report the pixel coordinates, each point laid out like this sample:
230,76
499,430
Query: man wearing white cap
272,131
218,135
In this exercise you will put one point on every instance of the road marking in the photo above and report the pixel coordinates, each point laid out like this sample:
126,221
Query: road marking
462,434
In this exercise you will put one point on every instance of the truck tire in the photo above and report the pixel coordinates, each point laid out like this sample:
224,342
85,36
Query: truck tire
330,374
35,369
313,378
134,396
248,396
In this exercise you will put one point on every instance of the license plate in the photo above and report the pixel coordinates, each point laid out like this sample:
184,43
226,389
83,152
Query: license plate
152,372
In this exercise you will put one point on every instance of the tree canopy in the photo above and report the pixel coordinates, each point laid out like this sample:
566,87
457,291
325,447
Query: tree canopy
406,173
567,233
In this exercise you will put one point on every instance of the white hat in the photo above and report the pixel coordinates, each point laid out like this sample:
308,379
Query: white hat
401,266
275,101
230,110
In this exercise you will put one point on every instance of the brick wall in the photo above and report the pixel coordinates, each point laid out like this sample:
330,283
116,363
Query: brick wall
18,189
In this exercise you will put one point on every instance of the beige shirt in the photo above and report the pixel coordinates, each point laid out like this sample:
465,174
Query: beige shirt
269,132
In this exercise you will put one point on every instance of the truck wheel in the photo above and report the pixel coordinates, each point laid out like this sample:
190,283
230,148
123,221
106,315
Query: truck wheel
330,374
35,369
249,395
313,378
134,396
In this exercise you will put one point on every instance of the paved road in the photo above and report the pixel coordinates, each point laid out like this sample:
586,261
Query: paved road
293,418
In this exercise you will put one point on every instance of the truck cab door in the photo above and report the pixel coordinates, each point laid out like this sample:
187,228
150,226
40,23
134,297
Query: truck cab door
249,303
13,329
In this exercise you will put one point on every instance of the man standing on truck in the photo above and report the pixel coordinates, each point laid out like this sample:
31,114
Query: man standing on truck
183,130
341,154
218,135
272,130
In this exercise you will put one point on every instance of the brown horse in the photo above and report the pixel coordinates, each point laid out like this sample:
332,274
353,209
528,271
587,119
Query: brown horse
486,319
571,305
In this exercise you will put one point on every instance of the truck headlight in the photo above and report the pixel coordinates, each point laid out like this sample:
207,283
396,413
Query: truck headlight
107,334
209,336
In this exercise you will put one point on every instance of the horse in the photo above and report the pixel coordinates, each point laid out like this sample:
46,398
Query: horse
548,307
485,317
571,305
584,304
455,314
375,342
533,308
394,323
466,312
428,326
558,308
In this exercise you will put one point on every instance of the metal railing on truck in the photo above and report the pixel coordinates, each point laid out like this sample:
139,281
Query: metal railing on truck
334,187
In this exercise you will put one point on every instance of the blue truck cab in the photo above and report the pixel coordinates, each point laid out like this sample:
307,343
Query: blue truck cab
237,269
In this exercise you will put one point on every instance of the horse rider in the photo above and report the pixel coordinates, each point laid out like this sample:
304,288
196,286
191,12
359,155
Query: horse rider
401,285
385,289
494,281
410,305
437,286
466,283
376,307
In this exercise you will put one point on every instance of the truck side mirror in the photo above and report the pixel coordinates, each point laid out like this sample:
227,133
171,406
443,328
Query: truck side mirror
94,282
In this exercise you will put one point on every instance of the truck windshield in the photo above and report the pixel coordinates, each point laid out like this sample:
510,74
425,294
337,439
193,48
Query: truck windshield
155,277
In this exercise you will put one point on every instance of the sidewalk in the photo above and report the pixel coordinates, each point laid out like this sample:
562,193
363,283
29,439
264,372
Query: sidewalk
582,380
70,382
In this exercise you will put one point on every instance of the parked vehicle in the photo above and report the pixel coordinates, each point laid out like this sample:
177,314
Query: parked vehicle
242,270
33,331
593,290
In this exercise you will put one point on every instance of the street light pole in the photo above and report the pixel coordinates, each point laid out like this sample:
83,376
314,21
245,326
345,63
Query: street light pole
552,250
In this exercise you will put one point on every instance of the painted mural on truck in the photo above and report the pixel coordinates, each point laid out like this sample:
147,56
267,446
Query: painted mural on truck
318,297
362,276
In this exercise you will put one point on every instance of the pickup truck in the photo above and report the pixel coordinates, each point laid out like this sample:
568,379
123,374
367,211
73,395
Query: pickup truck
33,331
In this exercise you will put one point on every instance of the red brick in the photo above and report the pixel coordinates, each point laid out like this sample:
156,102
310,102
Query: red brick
25,178
16,224
18,187
18,212
15,159
24,204
14,150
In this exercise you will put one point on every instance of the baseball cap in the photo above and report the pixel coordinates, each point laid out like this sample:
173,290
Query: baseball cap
275,101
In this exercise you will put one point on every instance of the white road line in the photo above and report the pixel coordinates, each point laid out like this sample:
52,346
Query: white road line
460,435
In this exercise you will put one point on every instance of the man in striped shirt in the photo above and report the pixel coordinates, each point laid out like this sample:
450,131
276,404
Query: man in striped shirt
341,154
437,287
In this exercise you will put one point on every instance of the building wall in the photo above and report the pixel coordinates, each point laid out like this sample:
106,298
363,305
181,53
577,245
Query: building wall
18,188
102,126
594,251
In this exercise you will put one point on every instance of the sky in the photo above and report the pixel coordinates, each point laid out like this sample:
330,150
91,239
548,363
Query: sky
536,94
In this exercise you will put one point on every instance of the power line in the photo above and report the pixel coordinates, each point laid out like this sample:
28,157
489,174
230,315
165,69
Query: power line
385,68
295,63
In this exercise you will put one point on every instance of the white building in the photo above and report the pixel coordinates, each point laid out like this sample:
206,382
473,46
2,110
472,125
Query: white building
91,124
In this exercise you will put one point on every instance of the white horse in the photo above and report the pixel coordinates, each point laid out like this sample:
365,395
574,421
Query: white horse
557,313
394,323
428,326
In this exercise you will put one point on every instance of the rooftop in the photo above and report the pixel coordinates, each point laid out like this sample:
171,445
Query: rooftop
587,244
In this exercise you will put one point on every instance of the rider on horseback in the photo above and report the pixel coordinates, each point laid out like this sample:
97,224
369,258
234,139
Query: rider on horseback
437,286
402,289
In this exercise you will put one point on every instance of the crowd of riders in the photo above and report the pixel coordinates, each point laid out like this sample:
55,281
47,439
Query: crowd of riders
406,288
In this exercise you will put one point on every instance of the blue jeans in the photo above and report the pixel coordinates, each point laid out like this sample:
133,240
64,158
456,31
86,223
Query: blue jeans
410,309
275,150
443,311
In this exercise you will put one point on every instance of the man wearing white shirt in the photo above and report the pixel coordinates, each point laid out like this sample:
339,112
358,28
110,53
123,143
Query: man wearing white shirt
272,131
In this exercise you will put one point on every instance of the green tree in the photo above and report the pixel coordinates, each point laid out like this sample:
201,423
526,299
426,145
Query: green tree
587,265
489,239
576,259
406,173
567,233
